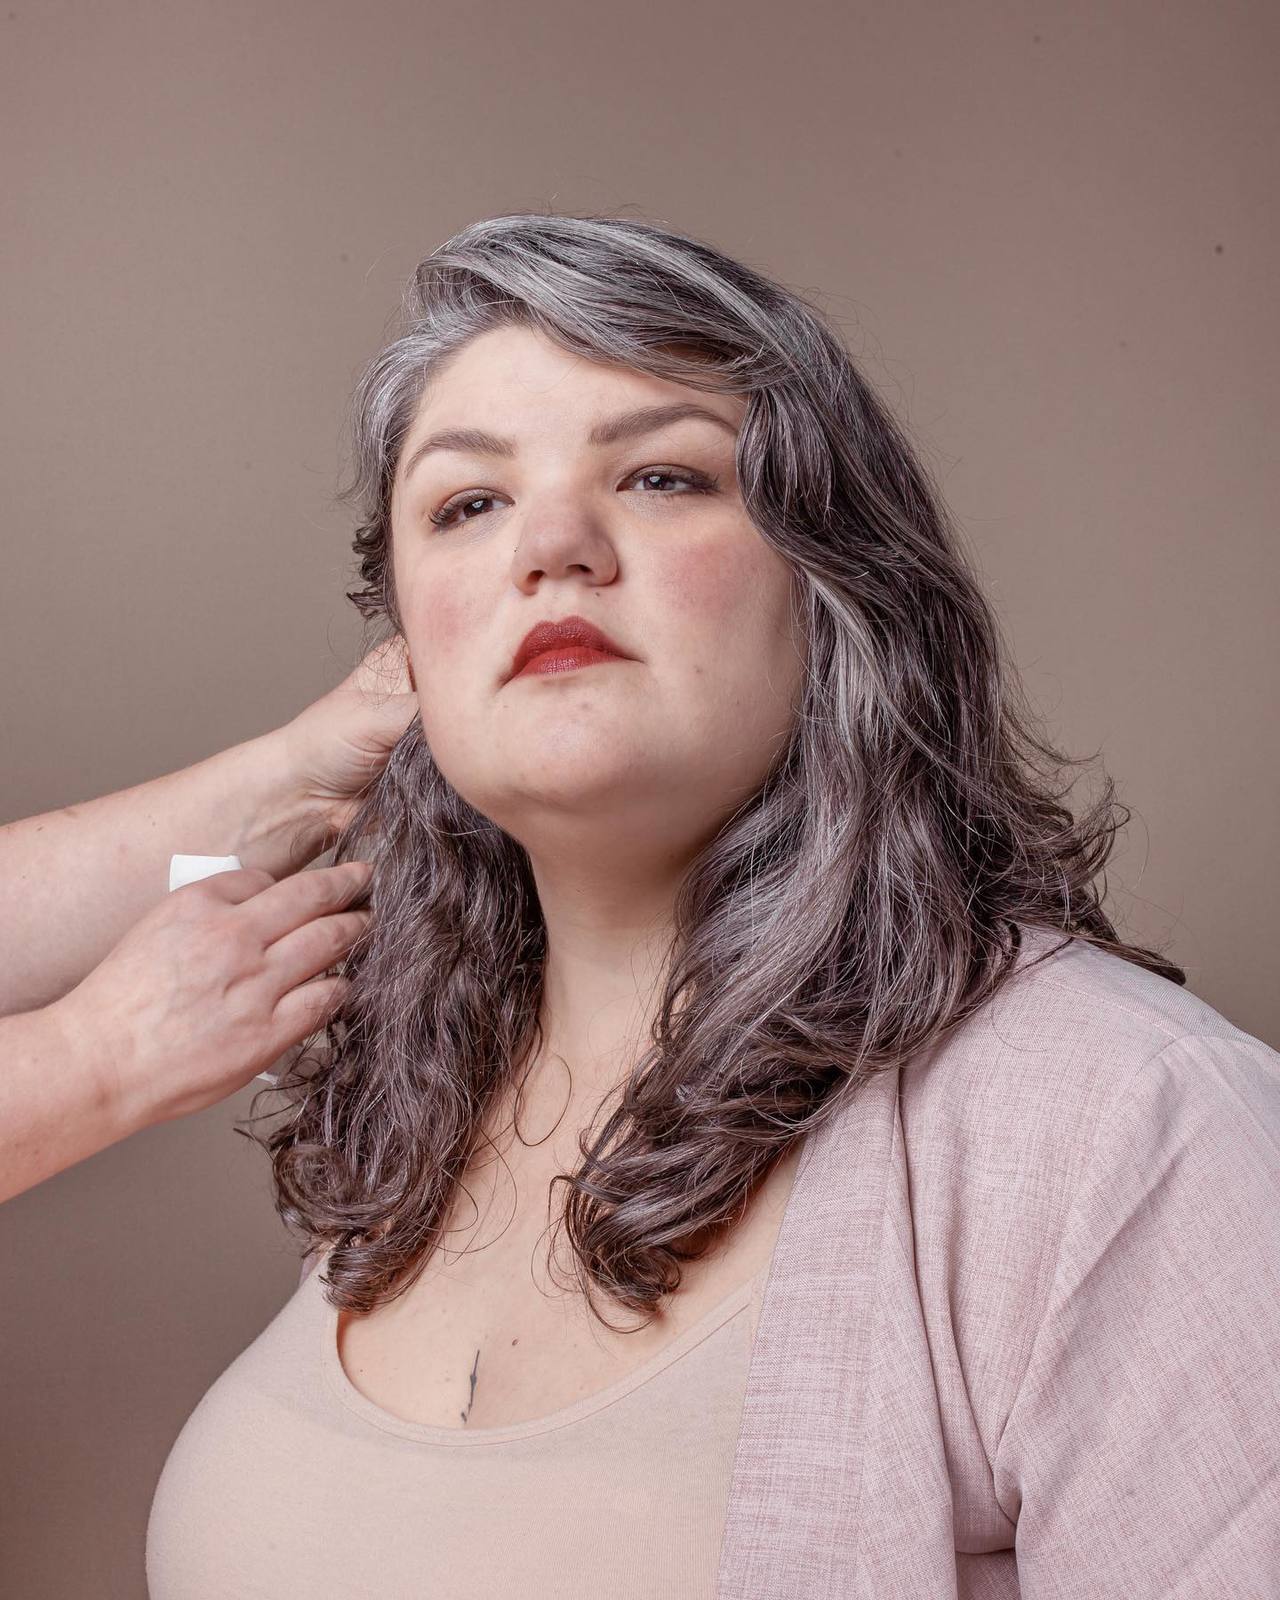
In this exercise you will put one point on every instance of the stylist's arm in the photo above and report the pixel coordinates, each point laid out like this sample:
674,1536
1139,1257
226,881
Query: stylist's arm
137,1005
73,881
206,990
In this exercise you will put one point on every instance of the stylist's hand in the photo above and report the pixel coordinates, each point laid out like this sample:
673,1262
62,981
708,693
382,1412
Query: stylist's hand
213,985
339,744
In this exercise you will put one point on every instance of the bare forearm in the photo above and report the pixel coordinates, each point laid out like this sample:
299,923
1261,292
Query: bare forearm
55,1108
73,881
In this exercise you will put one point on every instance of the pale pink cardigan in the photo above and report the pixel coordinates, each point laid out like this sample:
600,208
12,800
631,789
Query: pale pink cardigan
1021,1333
1020,1336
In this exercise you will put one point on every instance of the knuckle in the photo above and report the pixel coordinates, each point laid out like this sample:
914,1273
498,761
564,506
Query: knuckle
339,884
345,928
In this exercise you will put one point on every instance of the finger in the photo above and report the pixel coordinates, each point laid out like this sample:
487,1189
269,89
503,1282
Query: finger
243,883
382,722
384,669
301,899
307,951
300,1012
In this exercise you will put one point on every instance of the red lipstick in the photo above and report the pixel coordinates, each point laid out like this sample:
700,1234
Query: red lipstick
563,646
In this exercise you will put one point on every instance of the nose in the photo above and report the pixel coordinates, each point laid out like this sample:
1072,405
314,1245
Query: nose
560,541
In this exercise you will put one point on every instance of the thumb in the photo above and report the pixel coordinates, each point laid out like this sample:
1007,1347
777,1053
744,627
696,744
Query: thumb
394,715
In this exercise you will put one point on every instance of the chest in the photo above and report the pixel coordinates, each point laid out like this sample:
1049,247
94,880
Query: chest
494,1332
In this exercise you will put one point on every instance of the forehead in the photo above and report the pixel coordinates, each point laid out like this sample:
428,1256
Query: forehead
516,379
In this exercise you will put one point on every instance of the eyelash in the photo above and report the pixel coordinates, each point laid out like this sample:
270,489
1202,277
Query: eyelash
701,483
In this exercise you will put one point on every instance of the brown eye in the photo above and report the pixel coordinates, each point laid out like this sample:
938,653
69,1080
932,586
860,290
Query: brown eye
451,512
459,503
698,481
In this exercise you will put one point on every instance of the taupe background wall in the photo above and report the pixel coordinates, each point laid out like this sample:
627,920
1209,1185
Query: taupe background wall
1049,235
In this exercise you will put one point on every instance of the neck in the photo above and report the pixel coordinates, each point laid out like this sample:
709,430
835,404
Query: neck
607,950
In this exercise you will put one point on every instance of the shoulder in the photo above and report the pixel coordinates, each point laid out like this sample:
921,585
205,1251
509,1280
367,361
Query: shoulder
1150,1176
311,1261
1065,1163
1064,1034
1007,1111
1063,993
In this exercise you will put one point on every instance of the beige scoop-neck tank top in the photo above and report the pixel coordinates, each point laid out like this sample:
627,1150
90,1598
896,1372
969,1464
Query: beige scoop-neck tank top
286,1480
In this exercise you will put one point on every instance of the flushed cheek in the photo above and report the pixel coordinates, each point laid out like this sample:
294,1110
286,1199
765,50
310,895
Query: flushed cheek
729,605
442,643
703,582
438,621
722,595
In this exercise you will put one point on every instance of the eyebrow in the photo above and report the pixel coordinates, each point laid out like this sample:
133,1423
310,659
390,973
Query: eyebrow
626,425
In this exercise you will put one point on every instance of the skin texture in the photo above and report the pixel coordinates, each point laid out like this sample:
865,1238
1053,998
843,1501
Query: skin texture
612,776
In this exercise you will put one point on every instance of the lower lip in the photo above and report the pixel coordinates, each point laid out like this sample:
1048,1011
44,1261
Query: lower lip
565,659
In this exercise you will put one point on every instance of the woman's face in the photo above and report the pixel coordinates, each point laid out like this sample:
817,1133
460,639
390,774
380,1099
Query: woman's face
650,752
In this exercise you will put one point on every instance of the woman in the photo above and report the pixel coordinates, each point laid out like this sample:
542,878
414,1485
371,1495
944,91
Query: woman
723,905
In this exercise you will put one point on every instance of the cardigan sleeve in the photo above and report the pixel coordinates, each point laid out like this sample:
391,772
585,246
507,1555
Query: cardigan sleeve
1141,1455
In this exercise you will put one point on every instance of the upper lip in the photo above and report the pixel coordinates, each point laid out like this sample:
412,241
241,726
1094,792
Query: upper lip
565,631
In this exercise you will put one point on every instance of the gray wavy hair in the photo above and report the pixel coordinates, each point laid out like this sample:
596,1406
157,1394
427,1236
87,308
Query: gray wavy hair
863,902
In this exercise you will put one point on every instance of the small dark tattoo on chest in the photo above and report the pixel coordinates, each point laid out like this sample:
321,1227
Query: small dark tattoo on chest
465,1414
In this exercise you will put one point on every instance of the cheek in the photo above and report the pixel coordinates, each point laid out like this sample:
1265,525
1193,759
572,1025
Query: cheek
437,619
433,599
706,585
727,596
729,608
441,636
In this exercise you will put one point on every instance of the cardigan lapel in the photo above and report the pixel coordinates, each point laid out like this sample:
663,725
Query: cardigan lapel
792,1525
